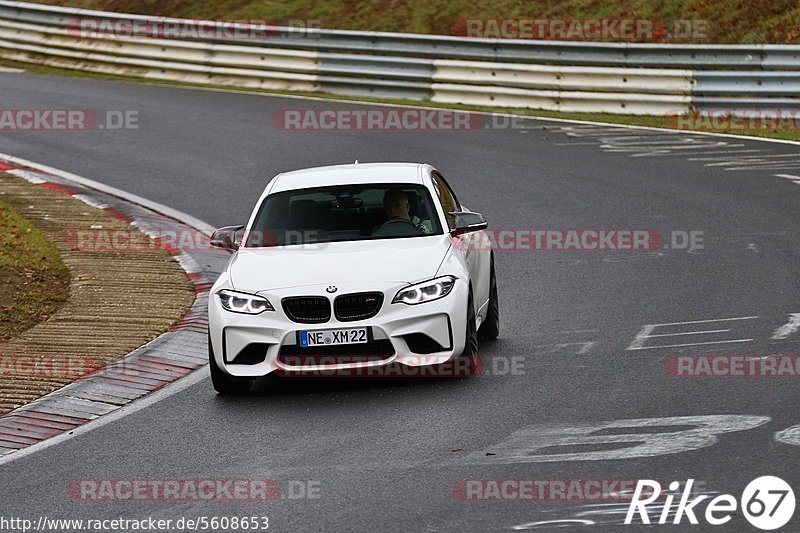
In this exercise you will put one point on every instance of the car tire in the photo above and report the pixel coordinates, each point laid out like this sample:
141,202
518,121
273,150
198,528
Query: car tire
225,383
490,329
469,356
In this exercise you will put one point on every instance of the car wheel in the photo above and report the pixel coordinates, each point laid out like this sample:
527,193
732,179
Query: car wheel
490,328
470,354
225,383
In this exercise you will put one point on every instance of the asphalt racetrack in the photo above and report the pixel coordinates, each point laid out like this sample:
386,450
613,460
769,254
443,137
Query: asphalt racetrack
582,362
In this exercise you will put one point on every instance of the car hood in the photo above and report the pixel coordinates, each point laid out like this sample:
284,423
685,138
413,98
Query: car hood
384,260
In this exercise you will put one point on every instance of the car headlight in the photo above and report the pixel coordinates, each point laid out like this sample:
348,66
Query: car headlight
426,291
241,302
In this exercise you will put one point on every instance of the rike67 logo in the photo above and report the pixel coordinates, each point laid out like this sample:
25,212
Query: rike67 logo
767,503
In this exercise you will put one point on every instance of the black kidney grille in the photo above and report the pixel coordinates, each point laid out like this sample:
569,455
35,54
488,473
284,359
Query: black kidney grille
358,306
307,309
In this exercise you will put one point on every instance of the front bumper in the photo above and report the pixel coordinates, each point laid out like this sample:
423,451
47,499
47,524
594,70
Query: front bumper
273,334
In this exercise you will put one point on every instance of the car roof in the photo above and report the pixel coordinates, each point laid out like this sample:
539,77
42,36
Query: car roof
348,175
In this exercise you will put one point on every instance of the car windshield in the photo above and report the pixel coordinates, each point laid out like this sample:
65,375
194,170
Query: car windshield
344,213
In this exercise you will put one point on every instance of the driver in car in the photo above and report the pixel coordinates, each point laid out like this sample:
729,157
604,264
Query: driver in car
398,212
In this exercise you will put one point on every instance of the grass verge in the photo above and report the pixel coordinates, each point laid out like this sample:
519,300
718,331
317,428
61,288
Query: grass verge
711,21
34,282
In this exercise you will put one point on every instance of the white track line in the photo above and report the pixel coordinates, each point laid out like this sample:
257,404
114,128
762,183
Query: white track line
795,179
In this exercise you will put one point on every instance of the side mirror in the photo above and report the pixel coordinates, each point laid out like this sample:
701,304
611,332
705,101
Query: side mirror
467,222
228,237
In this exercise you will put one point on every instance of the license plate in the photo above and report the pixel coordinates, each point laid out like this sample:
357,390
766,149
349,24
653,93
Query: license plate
332,337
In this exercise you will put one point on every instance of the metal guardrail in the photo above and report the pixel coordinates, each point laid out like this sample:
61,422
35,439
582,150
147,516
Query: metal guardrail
629,78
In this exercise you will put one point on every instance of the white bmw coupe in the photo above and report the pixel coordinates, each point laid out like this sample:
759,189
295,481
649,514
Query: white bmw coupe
351,267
